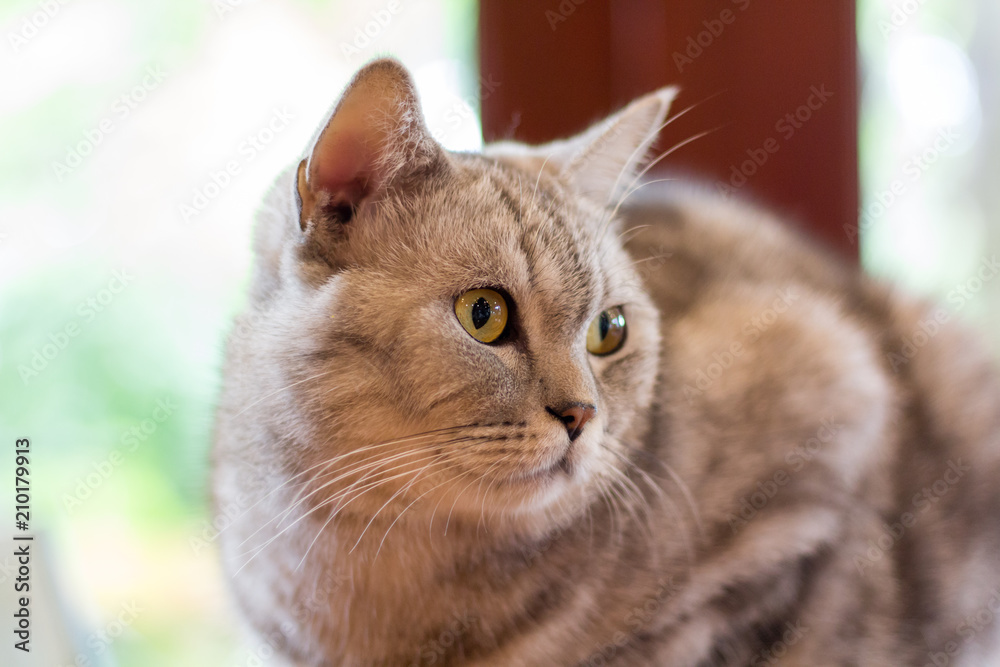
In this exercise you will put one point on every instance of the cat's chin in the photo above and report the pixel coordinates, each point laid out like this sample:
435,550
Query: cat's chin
559,488
559,483
546,473
529,496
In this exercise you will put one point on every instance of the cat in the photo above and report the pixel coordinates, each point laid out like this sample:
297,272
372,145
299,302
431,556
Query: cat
523,408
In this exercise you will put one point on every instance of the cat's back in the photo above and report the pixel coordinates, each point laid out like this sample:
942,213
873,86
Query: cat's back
931,483
692,247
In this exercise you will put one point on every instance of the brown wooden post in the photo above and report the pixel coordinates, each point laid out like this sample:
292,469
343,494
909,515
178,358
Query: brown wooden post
774,81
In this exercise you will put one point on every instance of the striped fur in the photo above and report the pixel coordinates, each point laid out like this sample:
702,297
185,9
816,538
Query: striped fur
740,498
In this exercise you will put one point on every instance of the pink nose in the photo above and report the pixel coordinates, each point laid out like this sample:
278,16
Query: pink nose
574,416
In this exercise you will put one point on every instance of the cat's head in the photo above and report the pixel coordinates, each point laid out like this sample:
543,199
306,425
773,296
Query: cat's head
460,328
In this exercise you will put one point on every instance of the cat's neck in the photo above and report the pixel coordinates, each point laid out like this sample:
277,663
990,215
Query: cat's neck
430,582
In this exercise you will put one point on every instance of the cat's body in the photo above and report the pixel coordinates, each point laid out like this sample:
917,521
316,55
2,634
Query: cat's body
782,463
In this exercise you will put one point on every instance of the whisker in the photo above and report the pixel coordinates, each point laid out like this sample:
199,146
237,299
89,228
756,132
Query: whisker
339,509
448,521
653,163
336,498
278,391
401,490
430,526
682,486
614,515
674,511
332,499
284,513
630,230
482,508
371,468
652,134
399,516
639,501
334,459
373,462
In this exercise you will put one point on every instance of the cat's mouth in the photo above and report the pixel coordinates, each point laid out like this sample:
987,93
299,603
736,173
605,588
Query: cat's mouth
562,467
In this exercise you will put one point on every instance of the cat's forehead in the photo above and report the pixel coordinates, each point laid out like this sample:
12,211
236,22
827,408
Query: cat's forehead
537,206
560,248
482,223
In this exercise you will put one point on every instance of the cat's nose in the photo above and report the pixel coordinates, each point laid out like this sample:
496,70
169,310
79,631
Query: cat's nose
574,416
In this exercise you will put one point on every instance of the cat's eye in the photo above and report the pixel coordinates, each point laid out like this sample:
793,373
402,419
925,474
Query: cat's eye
607,332
483,313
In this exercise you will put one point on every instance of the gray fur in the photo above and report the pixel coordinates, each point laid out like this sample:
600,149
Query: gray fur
753,439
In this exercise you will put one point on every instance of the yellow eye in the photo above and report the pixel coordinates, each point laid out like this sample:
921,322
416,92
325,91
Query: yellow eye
483,313
607,332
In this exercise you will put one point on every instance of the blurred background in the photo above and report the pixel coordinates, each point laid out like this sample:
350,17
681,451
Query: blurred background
138,139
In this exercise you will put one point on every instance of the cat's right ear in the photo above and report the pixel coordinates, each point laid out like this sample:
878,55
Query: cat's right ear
602,162
374,140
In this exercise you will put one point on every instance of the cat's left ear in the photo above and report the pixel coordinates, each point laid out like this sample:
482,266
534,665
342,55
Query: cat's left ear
602,161
373,142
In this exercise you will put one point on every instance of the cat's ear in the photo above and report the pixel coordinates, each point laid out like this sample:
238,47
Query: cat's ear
602,161
373,141
605,159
